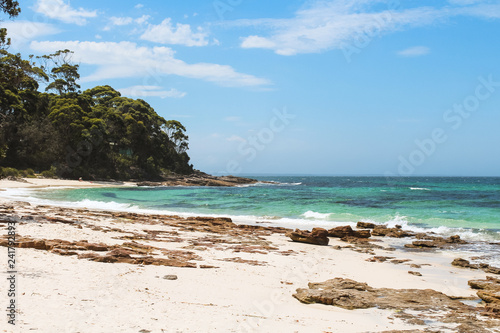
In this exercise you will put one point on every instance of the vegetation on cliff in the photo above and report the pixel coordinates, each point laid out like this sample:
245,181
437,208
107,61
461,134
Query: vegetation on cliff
96,133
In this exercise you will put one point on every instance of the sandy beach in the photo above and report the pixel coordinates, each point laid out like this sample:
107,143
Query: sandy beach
103,271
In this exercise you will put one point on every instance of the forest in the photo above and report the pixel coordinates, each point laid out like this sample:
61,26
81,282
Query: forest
49,126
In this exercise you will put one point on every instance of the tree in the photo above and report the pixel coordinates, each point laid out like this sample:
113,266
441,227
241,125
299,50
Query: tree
62,71
10,7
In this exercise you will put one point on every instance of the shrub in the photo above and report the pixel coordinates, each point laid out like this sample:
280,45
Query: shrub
51,173
9,172
28,173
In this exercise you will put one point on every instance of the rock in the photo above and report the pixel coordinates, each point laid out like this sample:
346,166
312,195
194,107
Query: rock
382,230
340,232
485,267
417,244
415,273
459,262
489,292
455,240
346,231
350,294
170,277
317,236
378,259
365,225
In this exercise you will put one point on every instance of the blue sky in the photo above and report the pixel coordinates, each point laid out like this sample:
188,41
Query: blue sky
361,87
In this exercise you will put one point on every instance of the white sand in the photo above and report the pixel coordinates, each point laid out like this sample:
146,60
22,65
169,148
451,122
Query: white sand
66,294
42,182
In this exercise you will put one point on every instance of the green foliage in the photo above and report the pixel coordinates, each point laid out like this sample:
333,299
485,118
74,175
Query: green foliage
10,7
9,172
93,134
51,173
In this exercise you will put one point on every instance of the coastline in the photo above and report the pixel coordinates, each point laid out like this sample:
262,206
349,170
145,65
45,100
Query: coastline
234,278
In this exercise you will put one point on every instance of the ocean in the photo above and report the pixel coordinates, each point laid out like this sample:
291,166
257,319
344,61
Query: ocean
467,206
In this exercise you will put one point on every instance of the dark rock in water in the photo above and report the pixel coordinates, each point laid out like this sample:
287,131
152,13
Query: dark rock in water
459,262
317,236
365,225
149,183
346,231
466,264
434,241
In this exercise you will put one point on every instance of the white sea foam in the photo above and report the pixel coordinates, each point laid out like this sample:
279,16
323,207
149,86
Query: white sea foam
315,215
307,220
419,189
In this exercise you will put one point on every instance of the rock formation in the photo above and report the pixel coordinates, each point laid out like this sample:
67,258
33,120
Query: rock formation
317,236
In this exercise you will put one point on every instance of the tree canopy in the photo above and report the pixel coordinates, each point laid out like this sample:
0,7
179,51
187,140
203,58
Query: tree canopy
96,133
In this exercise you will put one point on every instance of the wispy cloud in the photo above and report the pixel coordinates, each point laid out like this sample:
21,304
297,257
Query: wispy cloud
62,11
326,25
120,20
127,20
151,91
180,34
415,51
23,32
127,59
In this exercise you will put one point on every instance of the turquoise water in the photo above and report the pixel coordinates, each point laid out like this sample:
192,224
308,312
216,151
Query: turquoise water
465,205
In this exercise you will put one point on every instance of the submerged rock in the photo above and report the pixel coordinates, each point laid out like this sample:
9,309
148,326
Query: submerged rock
460,262
434,241
317,236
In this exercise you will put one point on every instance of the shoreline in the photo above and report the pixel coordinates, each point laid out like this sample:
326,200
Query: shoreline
249,275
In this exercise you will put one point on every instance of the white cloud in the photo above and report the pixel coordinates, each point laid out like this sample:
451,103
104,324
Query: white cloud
464,2
257,42
415,51
143,19
60,10
139,6
181,34
335,24
120,20
127,59
148,91
23,32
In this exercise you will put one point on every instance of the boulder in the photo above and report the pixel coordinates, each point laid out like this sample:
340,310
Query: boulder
365,225
317,236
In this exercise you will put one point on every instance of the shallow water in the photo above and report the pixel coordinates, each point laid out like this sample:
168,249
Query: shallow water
466,206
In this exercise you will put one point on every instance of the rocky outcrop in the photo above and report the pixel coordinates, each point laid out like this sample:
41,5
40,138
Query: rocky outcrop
434,242
317,236
199,178
347,231
460,262
489,292
396,232
350,294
